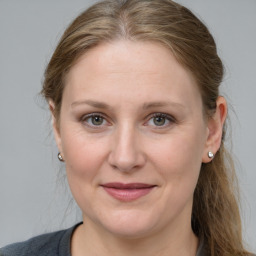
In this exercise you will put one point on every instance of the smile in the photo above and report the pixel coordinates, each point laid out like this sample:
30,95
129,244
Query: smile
127,192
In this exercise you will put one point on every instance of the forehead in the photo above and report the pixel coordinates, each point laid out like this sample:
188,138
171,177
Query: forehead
126,55
134,69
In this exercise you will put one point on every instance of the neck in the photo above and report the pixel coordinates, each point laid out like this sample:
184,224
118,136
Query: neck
90,240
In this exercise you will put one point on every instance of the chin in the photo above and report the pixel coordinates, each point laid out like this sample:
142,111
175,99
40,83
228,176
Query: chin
130,232
130,225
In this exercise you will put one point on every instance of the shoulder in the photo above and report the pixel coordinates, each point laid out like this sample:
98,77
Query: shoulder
54,244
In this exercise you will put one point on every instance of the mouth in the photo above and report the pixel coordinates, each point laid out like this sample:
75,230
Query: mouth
127,192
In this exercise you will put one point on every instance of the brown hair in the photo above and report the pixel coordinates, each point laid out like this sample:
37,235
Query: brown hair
215,215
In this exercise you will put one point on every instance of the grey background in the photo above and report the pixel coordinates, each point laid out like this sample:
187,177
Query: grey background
33,196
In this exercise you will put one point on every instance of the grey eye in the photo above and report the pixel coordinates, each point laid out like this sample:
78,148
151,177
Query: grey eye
159,120
96,120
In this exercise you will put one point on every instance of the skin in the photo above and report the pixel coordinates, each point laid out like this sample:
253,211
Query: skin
127,83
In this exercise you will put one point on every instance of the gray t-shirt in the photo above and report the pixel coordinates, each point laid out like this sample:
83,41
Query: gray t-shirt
52,244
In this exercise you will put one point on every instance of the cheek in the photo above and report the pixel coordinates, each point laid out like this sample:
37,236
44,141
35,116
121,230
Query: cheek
178,160
179,151
83,156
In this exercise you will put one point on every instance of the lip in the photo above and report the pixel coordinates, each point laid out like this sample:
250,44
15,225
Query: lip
127,192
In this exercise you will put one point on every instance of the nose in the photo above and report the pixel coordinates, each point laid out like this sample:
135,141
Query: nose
127,152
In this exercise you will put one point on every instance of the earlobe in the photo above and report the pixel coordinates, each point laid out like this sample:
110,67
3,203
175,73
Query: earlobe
215,127
55,126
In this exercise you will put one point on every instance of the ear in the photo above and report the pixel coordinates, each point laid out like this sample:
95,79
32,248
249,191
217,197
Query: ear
55,126
215,129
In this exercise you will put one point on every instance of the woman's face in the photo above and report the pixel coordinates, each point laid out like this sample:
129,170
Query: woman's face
133,137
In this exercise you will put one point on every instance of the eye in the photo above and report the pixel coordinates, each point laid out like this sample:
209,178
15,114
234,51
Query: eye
160,120
94,120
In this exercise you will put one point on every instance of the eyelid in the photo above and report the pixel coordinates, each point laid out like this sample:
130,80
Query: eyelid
160,114
83,117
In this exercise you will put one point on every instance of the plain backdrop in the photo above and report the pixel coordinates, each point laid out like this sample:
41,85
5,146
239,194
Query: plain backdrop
34,198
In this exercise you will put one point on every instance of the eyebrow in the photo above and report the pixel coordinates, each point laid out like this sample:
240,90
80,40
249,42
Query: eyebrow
146,106
92,103
161,104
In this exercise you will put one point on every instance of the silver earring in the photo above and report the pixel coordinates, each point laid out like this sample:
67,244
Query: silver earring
210,155
60,157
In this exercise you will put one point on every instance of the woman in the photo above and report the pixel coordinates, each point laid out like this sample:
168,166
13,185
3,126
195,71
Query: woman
137,116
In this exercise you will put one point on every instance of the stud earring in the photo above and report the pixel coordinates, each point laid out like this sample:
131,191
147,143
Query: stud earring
60,157
210,155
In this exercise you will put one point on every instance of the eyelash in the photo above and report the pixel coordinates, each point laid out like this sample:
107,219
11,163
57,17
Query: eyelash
167,117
